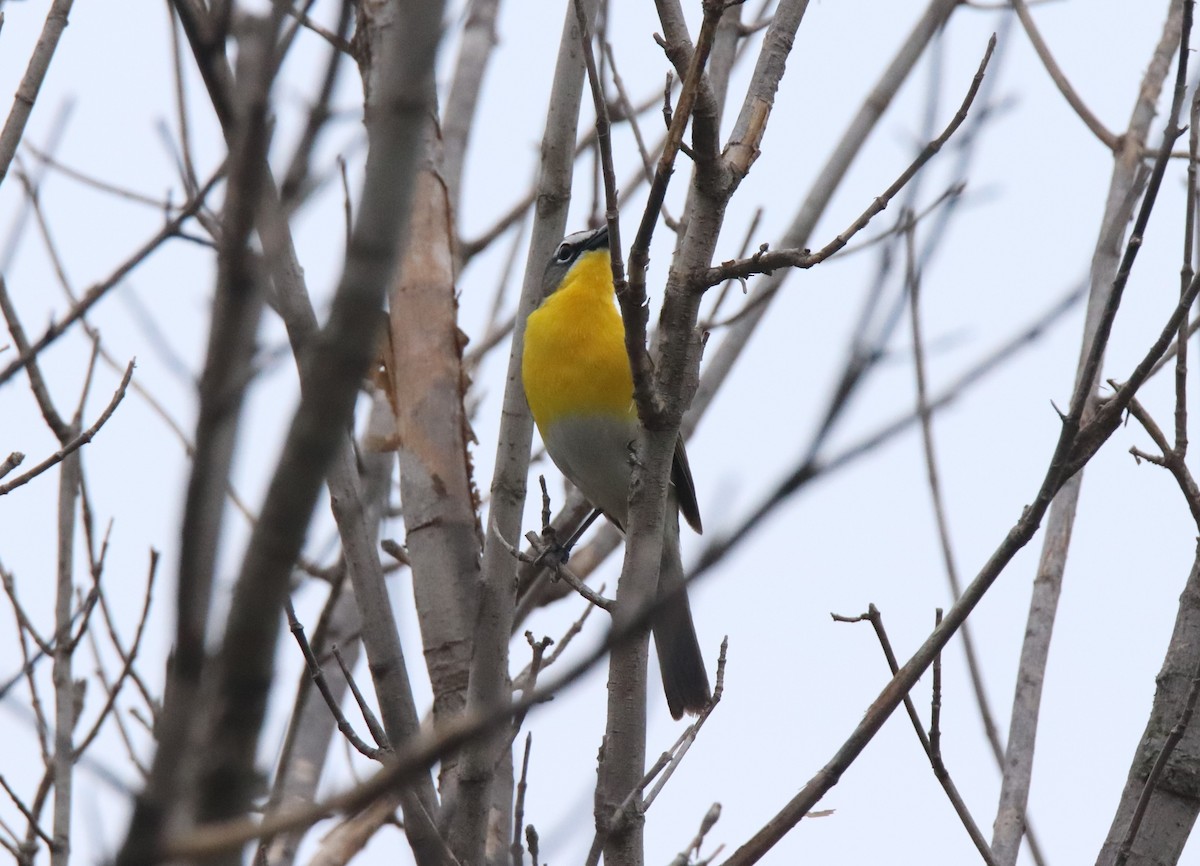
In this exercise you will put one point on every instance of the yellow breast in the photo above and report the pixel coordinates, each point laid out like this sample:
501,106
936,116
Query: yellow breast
574,361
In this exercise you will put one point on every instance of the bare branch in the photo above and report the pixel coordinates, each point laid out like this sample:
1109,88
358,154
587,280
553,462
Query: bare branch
1080,448
632,295
1156,772
99,290
31,83
545,552
27,812
1143,801
11,462
127,665
296,178
76,442
720,363
765,262
1106,136
318,678
81,177
931,742
377,731
67,697
475,50
1108,284
662,769
337,41
515,849
37,383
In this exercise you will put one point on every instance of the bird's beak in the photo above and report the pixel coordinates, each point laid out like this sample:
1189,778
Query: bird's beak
600,239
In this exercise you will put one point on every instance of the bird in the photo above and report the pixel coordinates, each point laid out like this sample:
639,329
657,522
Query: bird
579,387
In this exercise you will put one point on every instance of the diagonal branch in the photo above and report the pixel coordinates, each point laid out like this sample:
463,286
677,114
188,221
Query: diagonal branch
1108,283
99,290
1106,136
1081,447
75,443
31,83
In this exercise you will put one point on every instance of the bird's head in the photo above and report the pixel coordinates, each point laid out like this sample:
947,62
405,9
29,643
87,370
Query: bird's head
573,248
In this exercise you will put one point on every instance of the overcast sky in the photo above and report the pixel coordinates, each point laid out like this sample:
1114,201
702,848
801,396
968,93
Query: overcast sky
797,682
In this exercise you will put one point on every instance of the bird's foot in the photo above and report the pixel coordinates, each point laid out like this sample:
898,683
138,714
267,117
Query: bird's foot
551,552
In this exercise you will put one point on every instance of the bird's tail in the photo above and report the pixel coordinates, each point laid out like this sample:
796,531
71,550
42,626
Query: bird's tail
685,679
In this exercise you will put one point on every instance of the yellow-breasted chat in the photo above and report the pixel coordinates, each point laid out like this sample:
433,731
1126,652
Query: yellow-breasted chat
580,391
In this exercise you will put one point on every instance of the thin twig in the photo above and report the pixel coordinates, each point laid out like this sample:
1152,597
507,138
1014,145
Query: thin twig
24,623
683,858
37,383
75,174
766,261
471,247
1106,136
127,662
318,678
117,717
811,467
632,295
78,441
709,322
518,852
11,462
925,414
26,811
927,741
378,733
662,769
337,41
99,290
296,178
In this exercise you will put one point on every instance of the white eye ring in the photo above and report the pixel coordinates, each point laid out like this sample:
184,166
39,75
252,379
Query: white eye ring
564,254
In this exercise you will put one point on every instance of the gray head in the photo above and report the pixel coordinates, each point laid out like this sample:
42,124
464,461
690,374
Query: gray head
568,252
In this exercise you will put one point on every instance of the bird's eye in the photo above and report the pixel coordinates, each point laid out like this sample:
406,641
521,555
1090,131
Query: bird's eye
564,254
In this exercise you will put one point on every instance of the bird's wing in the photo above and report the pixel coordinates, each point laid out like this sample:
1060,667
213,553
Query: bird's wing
685,488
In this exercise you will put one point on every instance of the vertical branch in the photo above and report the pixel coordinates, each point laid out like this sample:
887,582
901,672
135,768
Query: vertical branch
310,725
226,776
236,308
1186,273
31,83
1159,803
400,61
661,403
632,295
507,492
356,514
65,697
1047,586
437,494
378,627
828,179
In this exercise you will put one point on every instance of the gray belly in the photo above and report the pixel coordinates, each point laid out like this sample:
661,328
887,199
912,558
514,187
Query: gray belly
595,452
